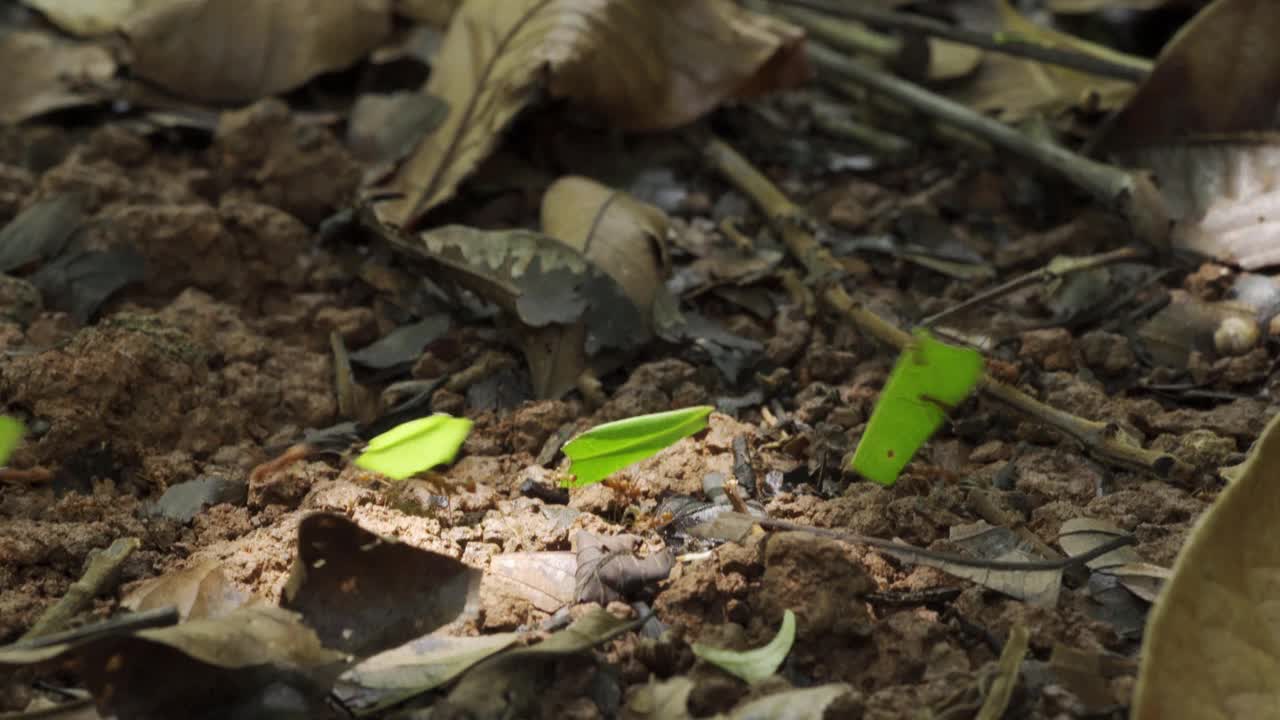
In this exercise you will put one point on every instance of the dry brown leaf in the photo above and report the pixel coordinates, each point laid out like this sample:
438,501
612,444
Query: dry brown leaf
1219,74
236,51
1212,647
46,73
435,13
1013,88
646,66
200,591
623,237
96,17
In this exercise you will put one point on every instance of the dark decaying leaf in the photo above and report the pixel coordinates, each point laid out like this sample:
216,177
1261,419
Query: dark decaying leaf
235,51
185,500
985,542
41,231
416,667
44,73
80,281
200,591
255,662
609,570
364,594
545,580
512,683
402,345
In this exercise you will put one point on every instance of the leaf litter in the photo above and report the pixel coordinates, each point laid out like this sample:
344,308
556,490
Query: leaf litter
217,364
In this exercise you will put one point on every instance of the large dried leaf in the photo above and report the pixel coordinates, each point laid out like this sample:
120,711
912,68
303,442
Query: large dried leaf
544,580
429,662
364,594
1219,74
1222,195
646,66
95,17
237,51
200,591
45,73
1213,639
620,235
253,661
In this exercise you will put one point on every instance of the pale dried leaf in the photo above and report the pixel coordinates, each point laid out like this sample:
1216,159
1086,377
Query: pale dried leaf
1212,646
545,580
87,18
646,66
435,13
46,73
1085,7
1222,194
236,51
624,238
200,591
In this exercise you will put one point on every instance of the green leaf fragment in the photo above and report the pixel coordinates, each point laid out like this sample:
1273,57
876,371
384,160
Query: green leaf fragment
10,433
753,665
410,448
612,446
929,379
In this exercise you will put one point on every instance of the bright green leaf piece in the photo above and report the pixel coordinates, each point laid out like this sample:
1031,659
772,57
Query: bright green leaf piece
417,445
930,378
10,433
753,665
612,446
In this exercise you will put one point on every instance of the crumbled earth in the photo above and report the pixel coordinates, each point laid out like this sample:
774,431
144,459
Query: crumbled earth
221,359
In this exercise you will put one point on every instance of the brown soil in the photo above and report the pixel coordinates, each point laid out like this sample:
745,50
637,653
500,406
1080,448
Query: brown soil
220,360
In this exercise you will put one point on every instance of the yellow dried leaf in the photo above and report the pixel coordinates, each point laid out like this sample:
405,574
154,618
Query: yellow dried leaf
236,51
1212,647
45,73
646,66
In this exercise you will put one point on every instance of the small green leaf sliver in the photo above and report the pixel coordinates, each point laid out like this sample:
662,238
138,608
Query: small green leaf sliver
612,446
415,446
10,434
753,665
929,379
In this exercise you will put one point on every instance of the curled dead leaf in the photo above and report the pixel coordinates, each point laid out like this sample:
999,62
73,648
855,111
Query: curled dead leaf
646,66
235,51
1209,650
46,73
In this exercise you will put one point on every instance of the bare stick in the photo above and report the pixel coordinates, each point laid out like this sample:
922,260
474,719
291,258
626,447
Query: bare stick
101,573
1103,440
1130,193
1059,267
1135,70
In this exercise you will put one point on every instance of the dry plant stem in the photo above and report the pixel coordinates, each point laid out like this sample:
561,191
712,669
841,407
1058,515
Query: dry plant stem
101,573
846,128
125,624
1136,71
1102,440
1130,193
1044,274
30,476
908,551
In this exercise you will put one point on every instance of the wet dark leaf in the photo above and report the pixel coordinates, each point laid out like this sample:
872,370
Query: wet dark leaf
364,594
402,345
79,282
40,232
183,501
384,129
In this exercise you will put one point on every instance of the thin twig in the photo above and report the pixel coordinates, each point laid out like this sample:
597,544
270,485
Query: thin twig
1136,70
1055,269
103,571
1105,441
1130,193
909,551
